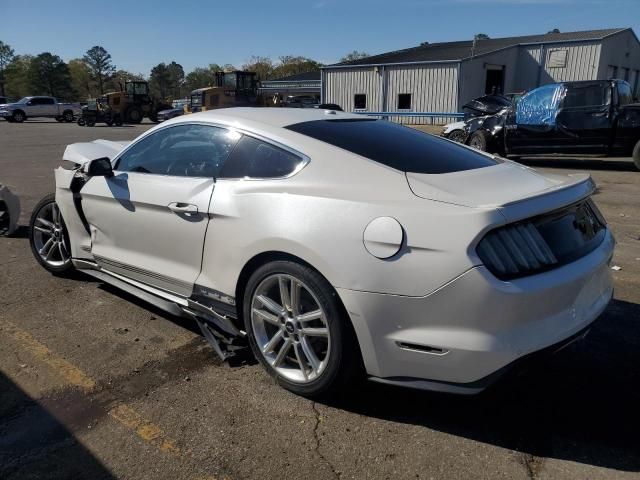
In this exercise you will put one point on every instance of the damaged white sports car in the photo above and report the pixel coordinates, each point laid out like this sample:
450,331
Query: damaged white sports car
335,244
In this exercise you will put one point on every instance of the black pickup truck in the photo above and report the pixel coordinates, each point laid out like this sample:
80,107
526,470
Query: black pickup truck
590,117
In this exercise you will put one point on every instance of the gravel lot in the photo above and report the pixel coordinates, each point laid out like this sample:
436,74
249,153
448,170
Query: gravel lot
94,384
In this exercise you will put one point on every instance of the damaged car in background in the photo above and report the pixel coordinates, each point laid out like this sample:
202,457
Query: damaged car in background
584,118
479,107
9,211
334,245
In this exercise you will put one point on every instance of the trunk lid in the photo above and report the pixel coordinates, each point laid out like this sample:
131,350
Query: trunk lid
507,185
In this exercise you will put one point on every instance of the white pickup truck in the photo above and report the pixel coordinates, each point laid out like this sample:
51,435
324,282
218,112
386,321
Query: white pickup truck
29,107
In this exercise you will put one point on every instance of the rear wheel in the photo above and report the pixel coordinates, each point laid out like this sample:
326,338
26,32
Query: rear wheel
48,237
636,155
81,121
59,119
68,116
480,140
298,329
133,115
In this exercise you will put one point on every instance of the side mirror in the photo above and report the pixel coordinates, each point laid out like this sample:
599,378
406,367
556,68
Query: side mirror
30,102
100,167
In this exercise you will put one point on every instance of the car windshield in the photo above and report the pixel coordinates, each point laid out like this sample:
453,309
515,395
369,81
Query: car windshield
403,148
24,100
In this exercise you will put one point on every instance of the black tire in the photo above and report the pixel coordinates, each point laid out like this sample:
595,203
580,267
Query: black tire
153,116
18,116
90,122
636,155
5,219
344,364
59,119
67,116
81,121
67,267
117,119
133,115
480,140
457,136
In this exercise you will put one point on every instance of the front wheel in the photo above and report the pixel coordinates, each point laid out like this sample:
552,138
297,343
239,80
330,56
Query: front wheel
480,140
298,329
457,136
636,155
48,237
19,116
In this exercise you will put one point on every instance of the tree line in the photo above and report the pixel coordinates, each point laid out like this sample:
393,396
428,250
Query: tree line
95,74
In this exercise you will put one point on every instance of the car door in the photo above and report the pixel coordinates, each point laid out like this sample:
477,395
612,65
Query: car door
584,118
148,221
49,107
531,127
33,108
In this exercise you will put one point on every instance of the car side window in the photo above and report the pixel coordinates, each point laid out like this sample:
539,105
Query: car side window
47,101
253,158
624,94
587,96
540,106
182,151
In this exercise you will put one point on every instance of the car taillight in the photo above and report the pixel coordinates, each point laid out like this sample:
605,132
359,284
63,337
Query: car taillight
543,242
514,251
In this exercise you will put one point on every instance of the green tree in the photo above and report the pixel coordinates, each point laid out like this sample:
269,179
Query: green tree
6,57
49,75
17,78
167,80
482,36
263,66
291,65
99,62
354,55
201,77
120,78
81,79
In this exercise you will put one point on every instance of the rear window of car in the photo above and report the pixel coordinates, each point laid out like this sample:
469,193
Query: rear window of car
402,148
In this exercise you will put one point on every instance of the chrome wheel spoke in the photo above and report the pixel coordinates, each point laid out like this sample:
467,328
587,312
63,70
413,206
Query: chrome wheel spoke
310,354
310,316
46,231
267,317
284,349
285,297
272,306
46,223
52,249
46,247
294,294
315,332
271,345
299,355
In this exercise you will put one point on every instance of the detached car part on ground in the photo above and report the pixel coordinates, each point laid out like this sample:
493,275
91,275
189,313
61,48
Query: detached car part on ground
9,211
335,245
590,117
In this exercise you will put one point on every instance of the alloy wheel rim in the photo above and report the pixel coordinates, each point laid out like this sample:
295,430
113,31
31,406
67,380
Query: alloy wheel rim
290,328
49,236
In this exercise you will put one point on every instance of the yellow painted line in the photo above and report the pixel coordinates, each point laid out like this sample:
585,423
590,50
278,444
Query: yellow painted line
125,415
69,372
146,430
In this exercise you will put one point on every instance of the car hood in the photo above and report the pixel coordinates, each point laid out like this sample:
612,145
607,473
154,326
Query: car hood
500,185
81,153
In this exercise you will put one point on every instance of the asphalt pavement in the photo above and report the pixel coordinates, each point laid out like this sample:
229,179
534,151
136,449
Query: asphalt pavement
95,384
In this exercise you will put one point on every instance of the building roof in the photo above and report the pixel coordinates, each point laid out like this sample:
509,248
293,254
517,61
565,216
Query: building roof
299,77
452,51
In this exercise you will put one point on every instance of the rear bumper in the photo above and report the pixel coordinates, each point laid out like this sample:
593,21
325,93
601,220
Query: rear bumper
461,336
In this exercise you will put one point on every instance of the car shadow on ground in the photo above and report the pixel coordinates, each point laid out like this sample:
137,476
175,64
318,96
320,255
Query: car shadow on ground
625,165
581,405
34,444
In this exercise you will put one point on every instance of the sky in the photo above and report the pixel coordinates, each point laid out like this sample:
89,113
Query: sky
142,33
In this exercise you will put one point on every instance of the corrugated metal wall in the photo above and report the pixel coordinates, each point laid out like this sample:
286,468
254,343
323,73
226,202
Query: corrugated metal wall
340,86
623,52
581,63
528,67
433,88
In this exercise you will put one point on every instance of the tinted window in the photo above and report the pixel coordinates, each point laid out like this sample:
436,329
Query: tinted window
183,151
402,148
404,101
587,95
47,101
359,101
624,94
256,159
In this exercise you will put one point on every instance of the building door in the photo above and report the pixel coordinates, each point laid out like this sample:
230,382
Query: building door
494,79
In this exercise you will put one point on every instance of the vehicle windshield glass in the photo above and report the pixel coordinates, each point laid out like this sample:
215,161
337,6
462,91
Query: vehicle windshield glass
23,100
402,148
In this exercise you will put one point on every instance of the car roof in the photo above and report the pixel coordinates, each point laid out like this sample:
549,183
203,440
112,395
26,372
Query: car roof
271,116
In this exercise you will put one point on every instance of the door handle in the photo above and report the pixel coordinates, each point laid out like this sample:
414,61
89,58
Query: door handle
178,207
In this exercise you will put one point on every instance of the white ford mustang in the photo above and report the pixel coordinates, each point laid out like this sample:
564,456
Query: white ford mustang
334,244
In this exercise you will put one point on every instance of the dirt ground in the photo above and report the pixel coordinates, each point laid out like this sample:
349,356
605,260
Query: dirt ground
95,384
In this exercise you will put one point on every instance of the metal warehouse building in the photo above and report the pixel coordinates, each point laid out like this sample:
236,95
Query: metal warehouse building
442,77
